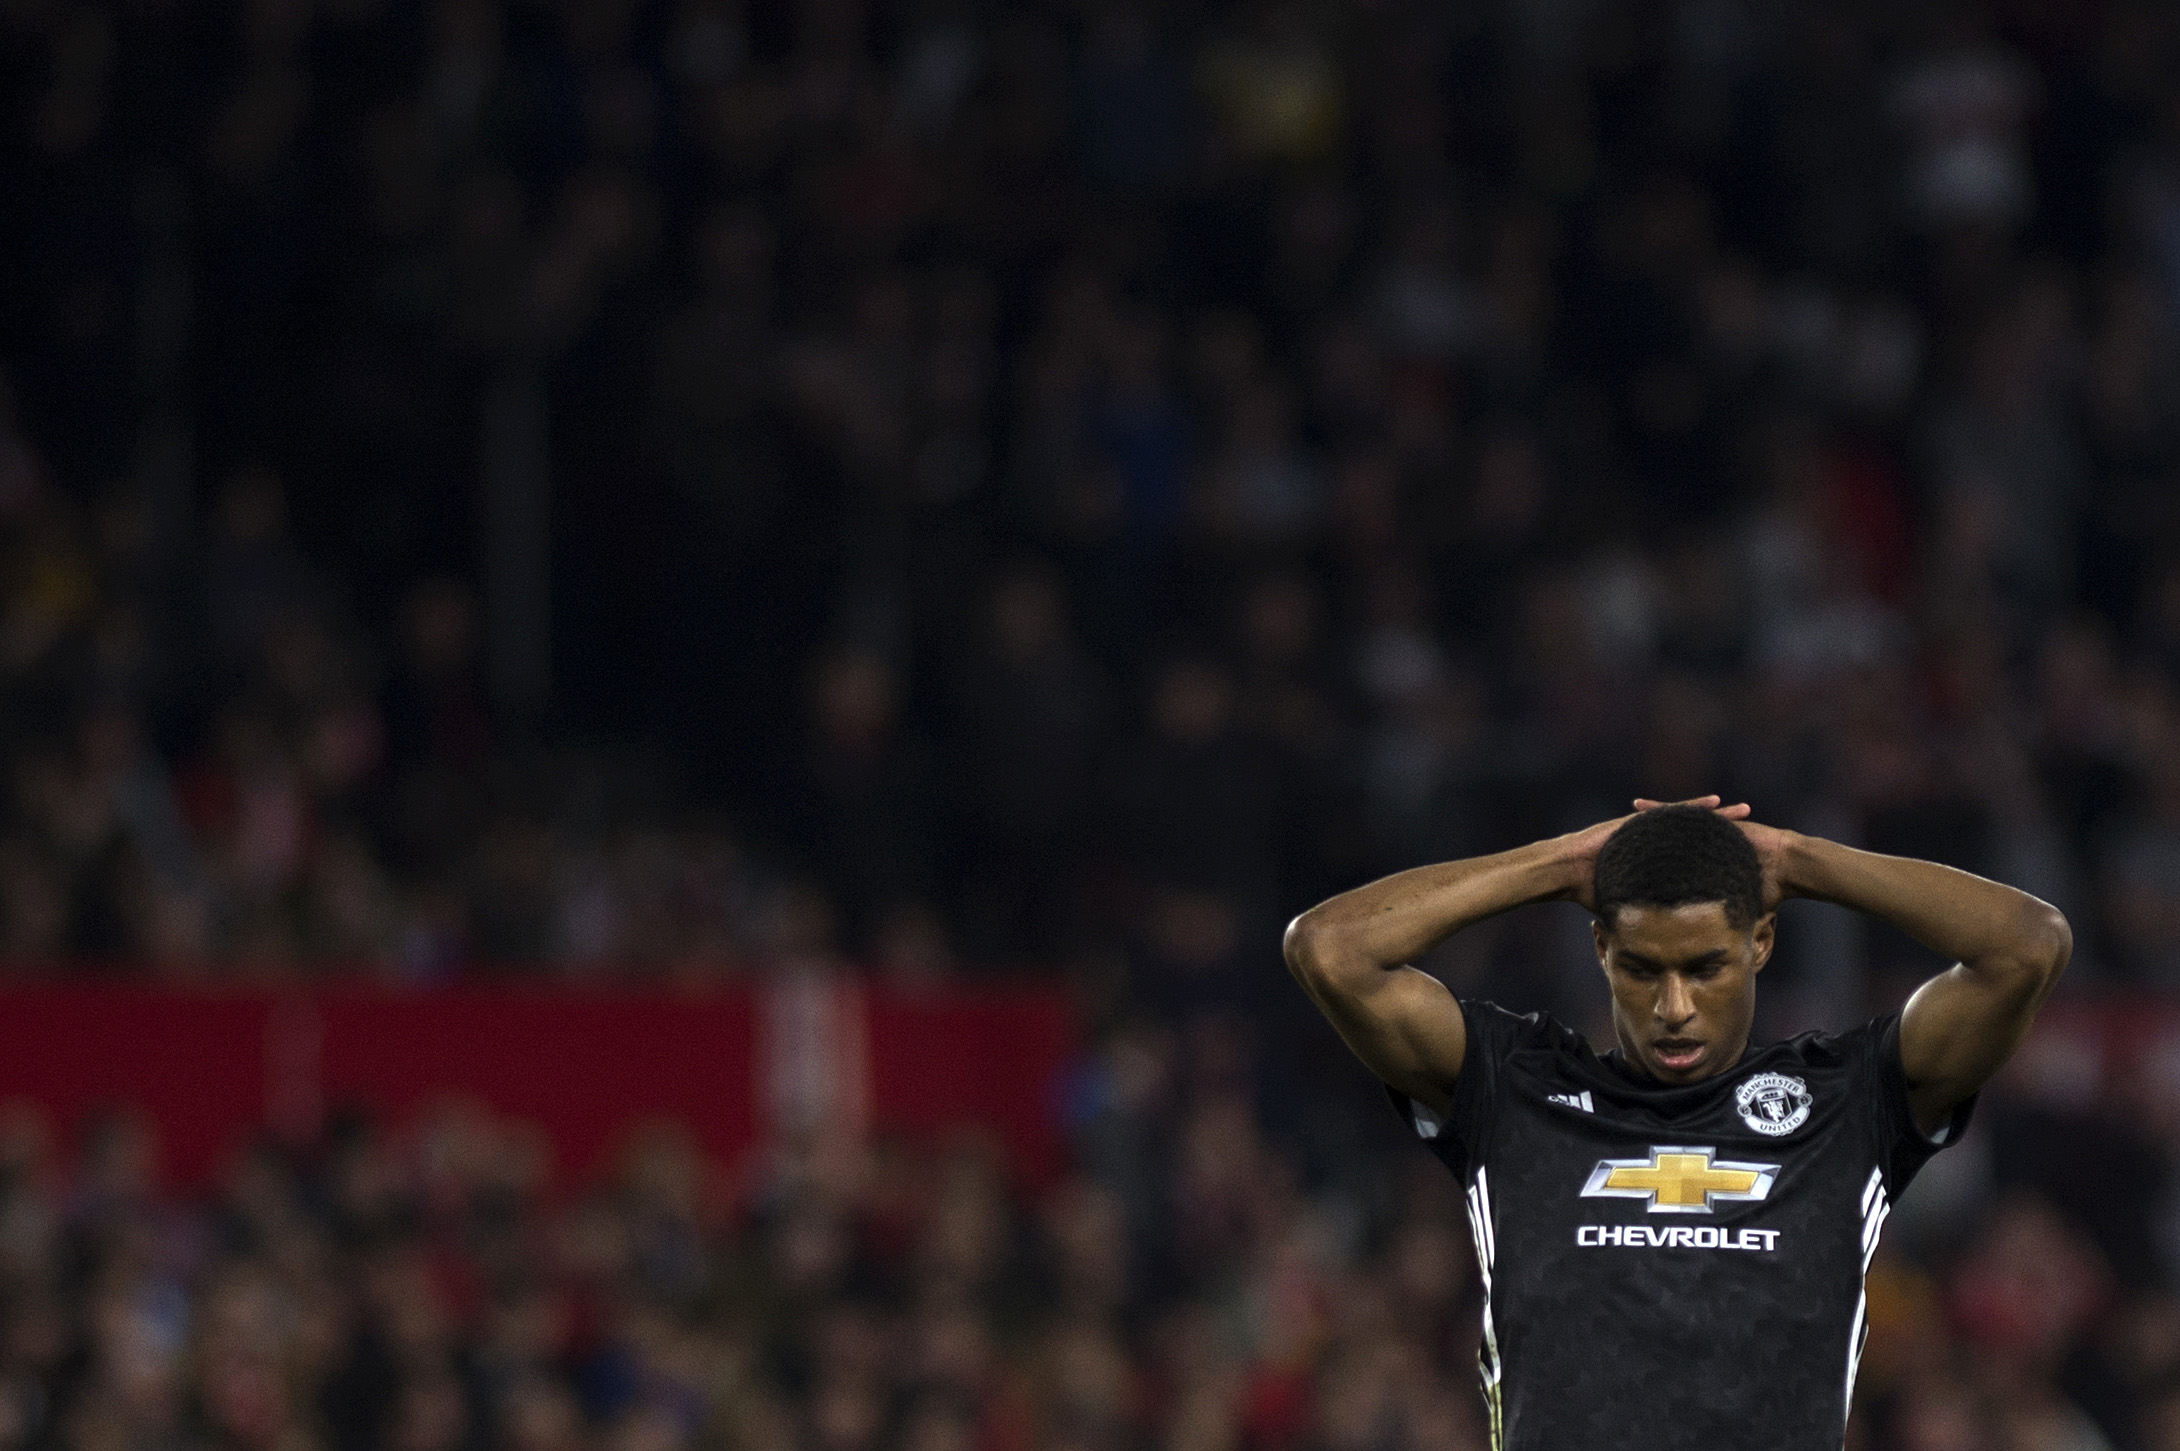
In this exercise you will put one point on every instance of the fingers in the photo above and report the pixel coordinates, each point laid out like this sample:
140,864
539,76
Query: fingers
1739,811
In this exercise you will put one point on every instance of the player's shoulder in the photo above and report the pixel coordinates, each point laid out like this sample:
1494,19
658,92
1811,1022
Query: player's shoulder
1844,1051
1501,1031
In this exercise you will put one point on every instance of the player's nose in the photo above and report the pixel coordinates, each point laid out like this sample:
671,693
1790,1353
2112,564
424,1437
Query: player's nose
1675,1005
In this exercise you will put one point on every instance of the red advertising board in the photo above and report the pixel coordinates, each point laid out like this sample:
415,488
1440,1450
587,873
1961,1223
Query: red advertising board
210,1068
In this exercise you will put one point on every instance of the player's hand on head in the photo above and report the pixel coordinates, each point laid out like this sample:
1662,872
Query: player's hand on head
1582,848
1739,811
1585,844
1769,841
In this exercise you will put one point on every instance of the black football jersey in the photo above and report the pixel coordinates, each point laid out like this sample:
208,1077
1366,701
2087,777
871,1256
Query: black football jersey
1674,1266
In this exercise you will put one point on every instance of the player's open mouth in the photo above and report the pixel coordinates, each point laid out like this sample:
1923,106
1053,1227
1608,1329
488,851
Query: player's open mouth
1677,1055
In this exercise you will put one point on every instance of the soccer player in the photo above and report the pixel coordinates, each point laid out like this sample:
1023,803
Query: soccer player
1673,1234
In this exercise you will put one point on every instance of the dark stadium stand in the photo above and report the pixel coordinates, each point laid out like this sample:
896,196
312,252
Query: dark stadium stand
730,501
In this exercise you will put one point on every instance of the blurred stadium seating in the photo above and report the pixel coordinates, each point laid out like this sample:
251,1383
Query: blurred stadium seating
713,503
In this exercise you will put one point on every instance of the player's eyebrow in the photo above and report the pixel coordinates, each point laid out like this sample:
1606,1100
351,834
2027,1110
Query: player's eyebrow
1701,959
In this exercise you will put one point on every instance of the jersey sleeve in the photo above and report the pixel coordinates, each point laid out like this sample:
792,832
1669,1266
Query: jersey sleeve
1902,1147
1460,1137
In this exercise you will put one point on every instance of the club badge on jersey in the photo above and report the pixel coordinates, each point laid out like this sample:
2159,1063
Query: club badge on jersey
1774,1104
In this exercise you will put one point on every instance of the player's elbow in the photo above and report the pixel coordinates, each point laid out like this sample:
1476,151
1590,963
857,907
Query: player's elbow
2041,945
2052,944
1312,950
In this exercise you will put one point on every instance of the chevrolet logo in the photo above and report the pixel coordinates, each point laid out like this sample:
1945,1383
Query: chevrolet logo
1679,1181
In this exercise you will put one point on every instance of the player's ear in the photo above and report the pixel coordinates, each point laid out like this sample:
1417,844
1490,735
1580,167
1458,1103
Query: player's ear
1602,937
1762,938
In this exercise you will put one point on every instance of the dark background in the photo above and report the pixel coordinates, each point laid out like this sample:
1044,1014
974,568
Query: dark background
696,493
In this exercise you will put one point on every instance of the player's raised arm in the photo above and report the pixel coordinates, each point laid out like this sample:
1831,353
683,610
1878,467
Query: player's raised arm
1351,953
2008,949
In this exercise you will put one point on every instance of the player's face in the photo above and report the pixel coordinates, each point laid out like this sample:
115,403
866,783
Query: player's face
1683,985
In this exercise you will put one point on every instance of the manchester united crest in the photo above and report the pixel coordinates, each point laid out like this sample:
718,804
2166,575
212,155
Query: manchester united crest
1773,1103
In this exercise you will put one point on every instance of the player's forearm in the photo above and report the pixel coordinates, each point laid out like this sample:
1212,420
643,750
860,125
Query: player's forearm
1985,926
1397,919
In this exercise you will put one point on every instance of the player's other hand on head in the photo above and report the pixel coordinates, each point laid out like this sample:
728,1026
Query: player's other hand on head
1771,851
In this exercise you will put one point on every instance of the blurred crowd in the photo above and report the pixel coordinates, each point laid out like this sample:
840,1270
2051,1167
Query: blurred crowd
663,489
435,1291
1068,480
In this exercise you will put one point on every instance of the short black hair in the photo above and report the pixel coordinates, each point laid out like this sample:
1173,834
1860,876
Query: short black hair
1671,856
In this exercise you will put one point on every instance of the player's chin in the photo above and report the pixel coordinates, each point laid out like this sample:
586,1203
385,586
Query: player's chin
1679,1059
